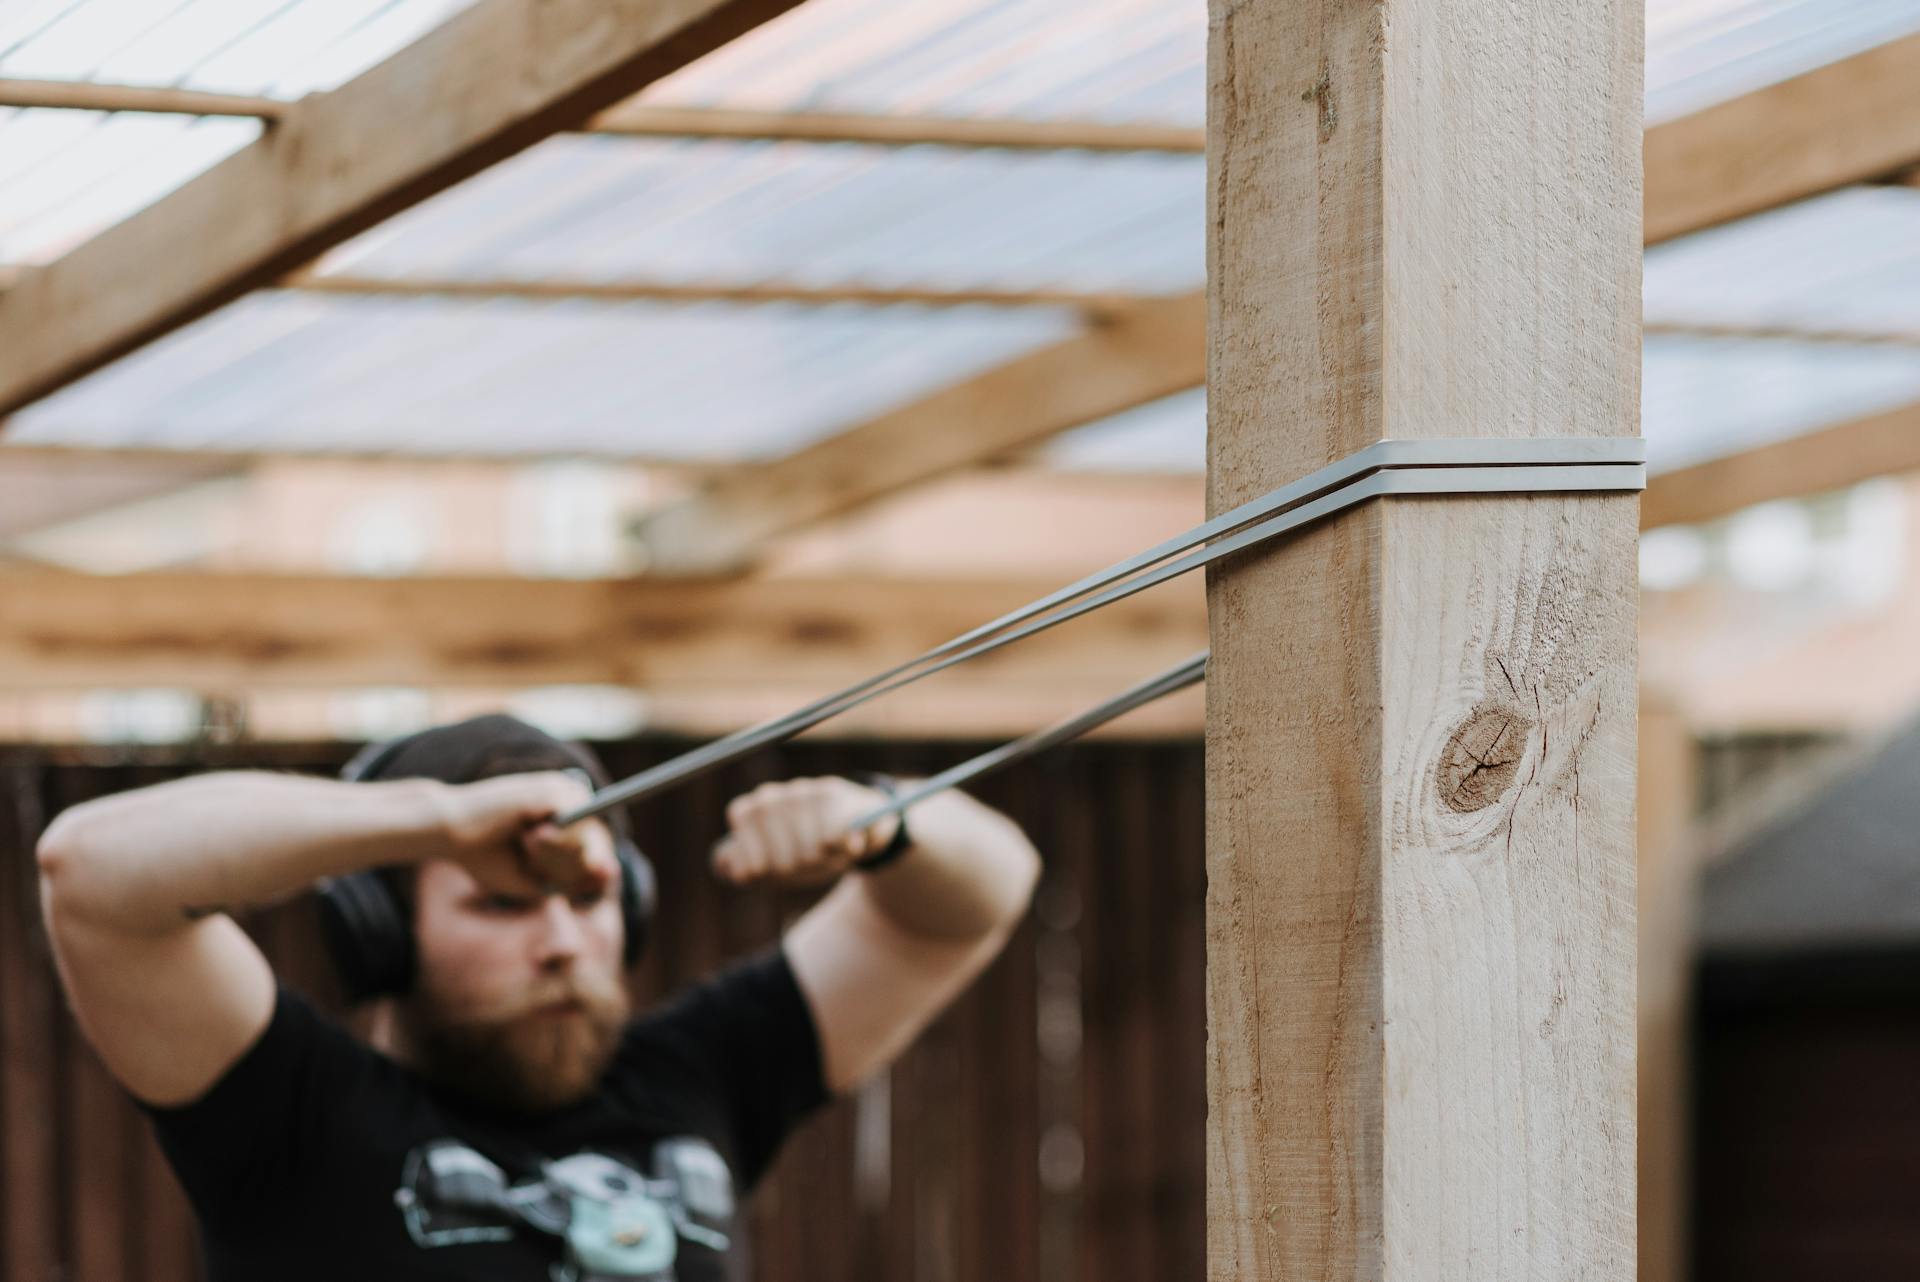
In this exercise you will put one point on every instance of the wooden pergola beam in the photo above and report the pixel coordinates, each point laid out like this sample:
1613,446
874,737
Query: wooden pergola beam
81,457
330,169
87,95
1420,717
215,631
492,80
777,497
1668,875
1097,306
1851,121
1885,444
1783,334
1140,355
637,120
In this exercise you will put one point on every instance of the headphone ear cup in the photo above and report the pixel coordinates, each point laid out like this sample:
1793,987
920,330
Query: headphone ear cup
638,894
367,932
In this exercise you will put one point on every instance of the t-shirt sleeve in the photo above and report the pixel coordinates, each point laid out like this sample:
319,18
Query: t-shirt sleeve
749,1032
247,1141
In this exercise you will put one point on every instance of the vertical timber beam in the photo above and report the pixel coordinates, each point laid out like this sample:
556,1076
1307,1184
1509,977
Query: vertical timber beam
1669,890
1424,220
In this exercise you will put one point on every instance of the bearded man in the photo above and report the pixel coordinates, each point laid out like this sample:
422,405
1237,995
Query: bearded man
512,1119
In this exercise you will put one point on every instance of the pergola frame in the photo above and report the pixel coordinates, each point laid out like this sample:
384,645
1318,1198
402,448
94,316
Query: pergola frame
1334,721
1702,170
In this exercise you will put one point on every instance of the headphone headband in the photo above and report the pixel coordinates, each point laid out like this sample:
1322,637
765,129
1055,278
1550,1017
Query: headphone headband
369,931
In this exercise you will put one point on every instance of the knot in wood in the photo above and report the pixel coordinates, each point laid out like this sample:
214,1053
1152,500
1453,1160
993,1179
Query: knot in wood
1482,757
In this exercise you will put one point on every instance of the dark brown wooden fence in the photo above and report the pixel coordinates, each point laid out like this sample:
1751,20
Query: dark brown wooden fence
1049,1127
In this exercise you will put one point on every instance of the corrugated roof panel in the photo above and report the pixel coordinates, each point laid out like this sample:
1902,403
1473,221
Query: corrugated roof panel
1115,60
293,371
707,382
1700,52
1702,398
608,208
287,48
1169,435
66,174
1849,261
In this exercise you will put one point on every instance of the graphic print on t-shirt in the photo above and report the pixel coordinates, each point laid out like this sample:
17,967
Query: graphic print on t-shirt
609,1220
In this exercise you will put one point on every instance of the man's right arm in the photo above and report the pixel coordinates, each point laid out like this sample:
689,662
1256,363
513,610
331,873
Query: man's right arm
136,889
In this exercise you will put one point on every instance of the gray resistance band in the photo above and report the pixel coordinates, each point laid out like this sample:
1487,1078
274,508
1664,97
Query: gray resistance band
1179,677
1449,465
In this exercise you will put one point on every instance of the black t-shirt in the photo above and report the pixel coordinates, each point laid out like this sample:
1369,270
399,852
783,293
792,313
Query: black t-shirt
317,1157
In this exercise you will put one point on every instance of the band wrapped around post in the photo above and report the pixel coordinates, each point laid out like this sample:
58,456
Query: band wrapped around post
1443,465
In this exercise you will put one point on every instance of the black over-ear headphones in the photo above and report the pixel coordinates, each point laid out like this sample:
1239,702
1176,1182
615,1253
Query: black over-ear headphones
369,930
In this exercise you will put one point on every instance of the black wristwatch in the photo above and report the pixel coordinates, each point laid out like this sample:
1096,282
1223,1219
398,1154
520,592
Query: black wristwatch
901,841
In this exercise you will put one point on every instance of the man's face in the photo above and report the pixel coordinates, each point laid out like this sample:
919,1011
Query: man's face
518,1003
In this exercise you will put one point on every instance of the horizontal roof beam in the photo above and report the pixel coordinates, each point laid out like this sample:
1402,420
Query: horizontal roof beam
1842,337
87,95
1852,121
788,636
1095,304
640,120
1886,444
1140,355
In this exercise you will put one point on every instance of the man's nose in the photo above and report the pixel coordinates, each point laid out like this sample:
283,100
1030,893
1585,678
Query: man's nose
561,937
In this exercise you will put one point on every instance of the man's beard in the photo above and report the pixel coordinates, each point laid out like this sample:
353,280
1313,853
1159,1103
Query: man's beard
521,1062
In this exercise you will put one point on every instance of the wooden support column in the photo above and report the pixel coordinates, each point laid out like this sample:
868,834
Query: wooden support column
1424,220
1669,888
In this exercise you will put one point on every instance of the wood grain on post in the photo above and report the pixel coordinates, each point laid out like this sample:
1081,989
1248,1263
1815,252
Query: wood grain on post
1424,220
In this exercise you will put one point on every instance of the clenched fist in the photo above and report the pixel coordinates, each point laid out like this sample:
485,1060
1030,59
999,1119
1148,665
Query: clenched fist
503,833
798,832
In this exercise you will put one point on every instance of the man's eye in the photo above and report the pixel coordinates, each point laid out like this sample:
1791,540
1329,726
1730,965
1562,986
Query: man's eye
505,904
588,899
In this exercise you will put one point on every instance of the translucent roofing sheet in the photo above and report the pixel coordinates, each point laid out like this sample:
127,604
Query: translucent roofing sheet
268,48
293,371
1120,60
1849,261
284,371
599,208
1115,59
1700,399
1169,435
1700,52
1094,59
66,174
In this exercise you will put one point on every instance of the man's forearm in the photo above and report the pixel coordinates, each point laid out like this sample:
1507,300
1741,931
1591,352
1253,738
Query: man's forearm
157,858
971,871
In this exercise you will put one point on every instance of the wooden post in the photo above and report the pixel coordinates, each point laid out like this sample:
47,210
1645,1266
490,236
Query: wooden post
1424,220
1669,889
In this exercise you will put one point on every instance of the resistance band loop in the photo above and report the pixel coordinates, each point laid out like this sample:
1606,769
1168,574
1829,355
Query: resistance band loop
1452,465
1190,673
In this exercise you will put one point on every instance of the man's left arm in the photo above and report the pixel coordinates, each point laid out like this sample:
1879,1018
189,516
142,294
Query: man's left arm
886,949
